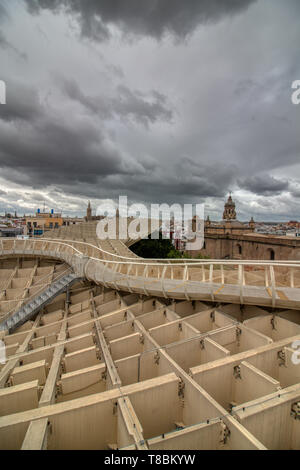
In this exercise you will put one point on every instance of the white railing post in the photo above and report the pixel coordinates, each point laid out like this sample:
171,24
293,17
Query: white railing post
162,282
211,277
185,279
104,269
145,277
241,282
222,275
273,285
127,278
266,277
292,275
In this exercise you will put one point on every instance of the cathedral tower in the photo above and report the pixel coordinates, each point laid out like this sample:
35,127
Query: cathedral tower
229,210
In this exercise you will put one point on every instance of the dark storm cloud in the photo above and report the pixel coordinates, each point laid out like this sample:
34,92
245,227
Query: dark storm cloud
141,17
3,13
171,184
159,121
3,41
5,44
264,185
22,103
142,108
40,146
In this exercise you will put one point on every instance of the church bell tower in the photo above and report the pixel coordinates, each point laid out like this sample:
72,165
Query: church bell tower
229,210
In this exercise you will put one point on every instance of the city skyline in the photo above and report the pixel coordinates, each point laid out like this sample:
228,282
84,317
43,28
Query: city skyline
44,209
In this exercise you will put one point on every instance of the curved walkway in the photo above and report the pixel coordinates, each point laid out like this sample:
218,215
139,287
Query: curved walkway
265,283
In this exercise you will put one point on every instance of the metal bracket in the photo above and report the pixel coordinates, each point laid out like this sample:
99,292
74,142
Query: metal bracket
237,372
49,427
238,334
281,358
98,354
232,404
179,426
63,366
142,339
295,410
58,388
181,386
225,433
272,321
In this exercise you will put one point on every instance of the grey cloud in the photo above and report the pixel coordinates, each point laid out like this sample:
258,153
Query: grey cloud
45,147
214,112
160,185
264,185
142,108
22,103
141,17
294,189
3,13
4,43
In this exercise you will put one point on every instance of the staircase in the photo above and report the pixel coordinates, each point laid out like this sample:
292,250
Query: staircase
28,310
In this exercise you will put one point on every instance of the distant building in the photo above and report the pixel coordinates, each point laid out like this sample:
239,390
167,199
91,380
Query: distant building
9,231
293,224
229,224
231,239
229,210
42,221
89,217
67,221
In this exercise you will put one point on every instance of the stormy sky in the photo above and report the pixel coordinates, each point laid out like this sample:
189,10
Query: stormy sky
165,101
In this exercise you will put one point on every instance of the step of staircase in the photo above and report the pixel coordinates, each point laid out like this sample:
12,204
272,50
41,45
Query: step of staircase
27,311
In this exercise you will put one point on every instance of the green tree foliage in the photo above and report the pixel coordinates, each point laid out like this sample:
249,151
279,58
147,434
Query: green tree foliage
161,248
154,248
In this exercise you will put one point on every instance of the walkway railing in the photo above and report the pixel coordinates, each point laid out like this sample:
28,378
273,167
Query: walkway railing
268,283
